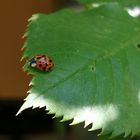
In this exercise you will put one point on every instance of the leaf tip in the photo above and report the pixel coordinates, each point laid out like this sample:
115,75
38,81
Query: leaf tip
20,110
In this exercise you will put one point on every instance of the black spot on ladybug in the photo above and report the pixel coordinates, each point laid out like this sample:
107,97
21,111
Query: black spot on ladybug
50,60
46,64
38,57
44,68
40,65
49,68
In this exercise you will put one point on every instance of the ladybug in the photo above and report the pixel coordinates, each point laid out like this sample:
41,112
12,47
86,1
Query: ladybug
41,62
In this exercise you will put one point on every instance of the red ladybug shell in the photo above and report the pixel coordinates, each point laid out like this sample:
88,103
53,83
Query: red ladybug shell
43,62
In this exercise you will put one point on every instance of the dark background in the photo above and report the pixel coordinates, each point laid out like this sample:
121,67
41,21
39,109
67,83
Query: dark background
31,124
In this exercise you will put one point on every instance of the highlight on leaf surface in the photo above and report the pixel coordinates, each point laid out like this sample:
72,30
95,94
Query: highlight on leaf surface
124,3
96,78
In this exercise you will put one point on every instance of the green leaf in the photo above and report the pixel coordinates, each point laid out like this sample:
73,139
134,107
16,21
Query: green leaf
94,1
96,77
125,3
105,137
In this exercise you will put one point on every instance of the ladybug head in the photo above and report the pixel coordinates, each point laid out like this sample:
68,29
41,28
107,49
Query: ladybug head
33,63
